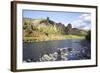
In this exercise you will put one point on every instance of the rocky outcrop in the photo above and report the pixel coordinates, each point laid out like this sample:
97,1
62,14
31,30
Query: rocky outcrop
48,27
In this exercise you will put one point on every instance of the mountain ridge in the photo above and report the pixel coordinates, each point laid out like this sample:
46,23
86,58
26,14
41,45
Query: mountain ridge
47,27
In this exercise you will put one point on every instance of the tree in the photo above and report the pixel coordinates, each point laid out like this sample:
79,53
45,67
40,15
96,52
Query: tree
25,25
88,36
29,29
47,18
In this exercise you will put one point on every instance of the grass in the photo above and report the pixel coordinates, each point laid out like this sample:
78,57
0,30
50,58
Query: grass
74,37
51,37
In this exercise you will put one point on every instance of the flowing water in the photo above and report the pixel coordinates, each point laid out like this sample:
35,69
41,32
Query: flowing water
34,50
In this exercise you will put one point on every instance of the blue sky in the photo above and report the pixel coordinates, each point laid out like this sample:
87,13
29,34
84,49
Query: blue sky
77,19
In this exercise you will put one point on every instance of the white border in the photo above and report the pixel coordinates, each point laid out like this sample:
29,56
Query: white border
21,65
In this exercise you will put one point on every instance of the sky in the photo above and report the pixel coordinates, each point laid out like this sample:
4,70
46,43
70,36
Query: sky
77,19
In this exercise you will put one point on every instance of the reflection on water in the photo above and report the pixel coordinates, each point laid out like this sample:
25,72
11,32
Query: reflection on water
75,49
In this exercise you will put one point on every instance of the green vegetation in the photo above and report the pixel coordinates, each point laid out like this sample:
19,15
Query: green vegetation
46,29
88,36
52,37
74,37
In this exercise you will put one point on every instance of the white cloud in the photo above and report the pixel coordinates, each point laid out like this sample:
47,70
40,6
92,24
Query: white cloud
83,22
85,17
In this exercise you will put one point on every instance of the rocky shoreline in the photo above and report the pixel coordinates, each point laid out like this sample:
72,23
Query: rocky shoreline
64,54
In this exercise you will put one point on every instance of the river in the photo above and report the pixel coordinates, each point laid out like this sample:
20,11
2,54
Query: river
34,50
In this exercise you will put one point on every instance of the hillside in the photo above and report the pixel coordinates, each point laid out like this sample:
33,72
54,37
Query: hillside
46,29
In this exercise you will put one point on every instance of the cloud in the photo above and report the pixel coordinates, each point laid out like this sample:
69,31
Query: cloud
83,22
85,17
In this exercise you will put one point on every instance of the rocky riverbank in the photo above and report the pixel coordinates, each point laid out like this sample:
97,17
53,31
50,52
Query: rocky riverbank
64,54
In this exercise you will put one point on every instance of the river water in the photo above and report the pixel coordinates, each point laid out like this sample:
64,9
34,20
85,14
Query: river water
34,50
